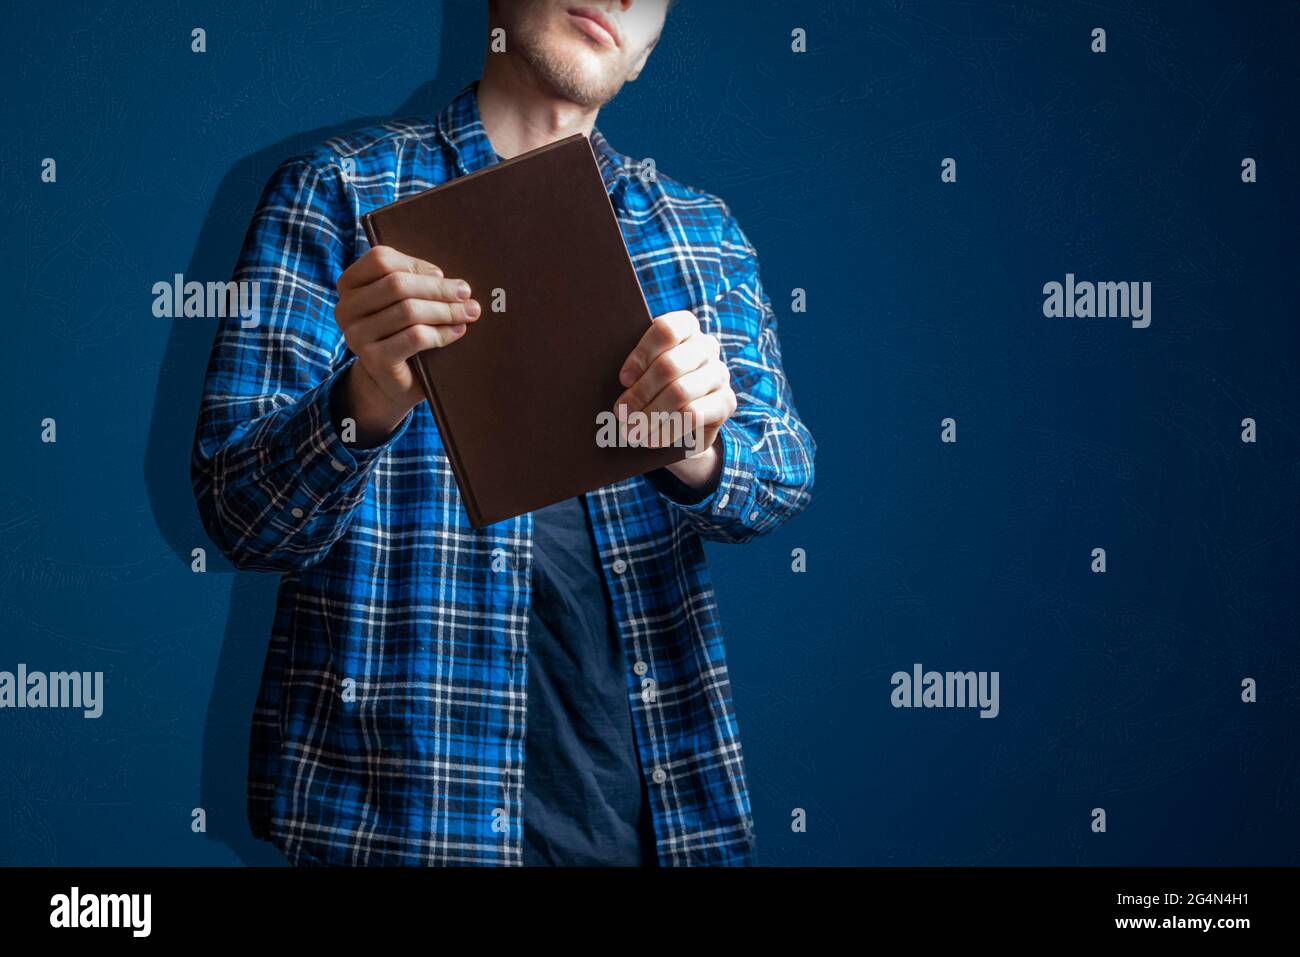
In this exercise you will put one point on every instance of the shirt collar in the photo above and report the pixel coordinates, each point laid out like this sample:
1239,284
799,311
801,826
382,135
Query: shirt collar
461,128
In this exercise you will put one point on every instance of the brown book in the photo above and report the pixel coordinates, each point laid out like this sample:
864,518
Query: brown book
516,398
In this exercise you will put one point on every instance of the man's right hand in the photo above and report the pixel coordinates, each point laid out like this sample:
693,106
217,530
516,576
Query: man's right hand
392,306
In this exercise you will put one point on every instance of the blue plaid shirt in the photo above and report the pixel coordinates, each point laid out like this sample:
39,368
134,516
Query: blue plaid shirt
389,726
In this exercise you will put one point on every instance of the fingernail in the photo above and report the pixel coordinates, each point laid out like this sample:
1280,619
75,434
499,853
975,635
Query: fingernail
463,290
472,309
627,376
458,329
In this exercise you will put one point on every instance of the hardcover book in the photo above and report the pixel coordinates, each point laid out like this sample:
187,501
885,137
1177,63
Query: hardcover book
517,399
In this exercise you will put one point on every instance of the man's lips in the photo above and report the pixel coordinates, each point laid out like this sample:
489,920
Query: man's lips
596,25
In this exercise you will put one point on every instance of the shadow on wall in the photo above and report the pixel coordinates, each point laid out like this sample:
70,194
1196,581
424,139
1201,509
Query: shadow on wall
171,434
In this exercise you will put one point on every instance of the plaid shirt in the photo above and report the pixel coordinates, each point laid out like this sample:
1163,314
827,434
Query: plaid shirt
389,726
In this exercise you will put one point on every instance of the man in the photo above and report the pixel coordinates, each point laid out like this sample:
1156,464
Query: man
550,689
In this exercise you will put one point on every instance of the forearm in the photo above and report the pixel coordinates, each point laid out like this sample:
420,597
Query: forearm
700,473
359,403
277,492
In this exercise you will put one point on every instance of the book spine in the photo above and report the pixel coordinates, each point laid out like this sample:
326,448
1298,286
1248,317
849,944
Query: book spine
430,394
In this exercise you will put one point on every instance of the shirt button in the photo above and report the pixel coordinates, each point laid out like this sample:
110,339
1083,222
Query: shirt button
619,566
659,776
296,512
722,502
338,466
640,667
753,516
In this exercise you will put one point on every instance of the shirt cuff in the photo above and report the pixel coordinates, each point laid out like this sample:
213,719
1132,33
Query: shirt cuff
332,473
350,456
727,499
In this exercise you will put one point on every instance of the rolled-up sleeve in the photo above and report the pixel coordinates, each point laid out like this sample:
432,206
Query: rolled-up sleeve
275,483
767,451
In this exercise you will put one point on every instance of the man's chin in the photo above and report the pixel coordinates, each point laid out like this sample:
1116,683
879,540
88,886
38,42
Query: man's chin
590,93
577,73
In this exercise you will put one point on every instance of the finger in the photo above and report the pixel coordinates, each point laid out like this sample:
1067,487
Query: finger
704,417
667,367
409,312
378,261
695,425
395,286
396,349
679,393
665,332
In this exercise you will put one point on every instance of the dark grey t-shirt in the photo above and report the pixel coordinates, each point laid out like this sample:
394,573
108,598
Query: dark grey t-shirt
585,800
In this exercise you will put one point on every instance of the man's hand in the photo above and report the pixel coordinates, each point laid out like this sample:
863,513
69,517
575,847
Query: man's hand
677,368
392,306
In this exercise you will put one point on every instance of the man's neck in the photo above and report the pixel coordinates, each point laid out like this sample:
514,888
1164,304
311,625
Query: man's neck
519,115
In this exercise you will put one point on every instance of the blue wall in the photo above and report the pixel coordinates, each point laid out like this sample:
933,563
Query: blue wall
1119,691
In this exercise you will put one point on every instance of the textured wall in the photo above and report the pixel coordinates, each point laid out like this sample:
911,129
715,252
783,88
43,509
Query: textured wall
1119,690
